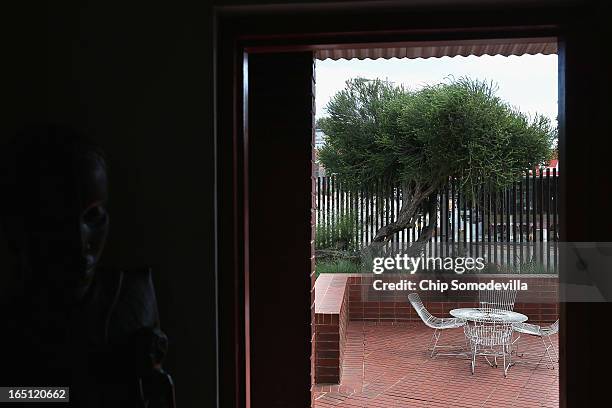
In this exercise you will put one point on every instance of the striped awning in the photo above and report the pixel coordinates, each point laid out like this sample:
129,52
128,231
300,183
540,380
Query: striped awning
505,47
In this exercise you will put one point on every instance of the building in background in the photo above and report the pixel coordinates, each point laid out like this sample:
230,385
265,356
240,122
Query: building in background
319,170
319,139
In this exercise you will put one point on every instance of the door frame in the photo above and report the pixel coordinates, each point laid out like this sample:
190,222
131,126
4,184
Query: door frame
243,30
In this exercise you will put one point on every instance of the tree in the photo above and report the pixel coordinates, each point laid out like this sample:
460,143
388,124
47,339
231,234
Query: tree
420,139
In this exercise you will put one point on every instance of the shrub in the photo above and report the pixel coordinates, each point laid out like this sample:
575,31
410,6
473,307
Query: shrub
340,233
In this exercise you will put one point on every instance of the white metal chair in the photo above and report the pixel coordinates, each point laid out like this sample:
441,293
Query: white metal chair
543,333
490,338
436,323
496,299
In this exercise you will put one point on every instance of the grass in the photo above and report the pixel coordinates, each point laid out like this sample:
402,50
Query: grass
337,266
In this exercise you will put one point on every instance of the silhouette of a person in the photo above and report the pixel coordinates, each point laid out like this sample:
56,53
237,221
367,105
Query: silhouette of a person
68,322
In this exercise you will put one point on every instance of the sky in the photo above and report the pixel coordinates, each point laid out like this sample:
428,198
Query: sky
528,82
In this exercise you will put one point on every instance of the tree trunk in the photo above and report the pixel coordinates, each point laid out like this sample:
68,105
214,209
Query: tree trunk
407,218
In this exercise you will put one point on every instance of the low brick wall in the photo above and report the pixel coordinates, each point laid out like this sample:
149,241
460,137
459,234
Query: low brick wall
331,320
540,303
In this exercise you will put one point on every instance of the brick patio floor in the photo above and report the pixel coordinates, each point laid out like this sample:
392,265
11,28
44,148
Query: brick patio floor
385,366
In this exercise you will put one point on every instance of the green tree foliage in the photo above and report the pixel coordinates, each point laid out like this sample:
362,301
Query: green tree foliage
419,139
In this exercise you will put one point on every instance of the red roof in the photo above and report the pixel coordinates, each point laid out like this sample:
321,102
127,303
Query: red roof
553,164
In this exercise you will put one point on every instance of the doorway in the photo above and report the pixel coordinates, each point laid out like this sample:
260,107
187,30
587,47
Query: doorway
371,347
238,34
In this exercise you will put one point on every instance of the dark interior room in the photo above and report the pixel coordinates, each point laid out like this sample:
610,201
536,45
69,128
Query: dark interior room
192,103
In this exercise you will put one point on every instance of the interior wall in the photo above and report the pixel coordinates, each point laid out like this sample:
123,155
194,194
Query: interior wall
137,76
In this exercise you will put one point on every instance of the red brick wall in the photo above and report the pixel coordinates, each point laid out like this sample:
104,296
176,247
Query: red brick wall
331,320
540,303
327,349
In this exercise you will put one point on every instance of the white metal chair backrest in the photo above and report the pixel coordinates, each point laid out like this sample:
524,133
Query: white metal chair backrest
553,328
490,332
423,313
490,299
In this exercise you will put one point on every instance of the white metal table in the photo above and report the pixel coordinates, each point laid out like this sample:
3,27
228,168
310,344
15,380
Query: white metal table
491,315
473,314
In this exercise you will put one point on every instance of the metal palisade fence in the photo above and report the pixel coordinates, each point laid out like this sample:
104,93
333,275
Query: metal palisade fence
525,213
